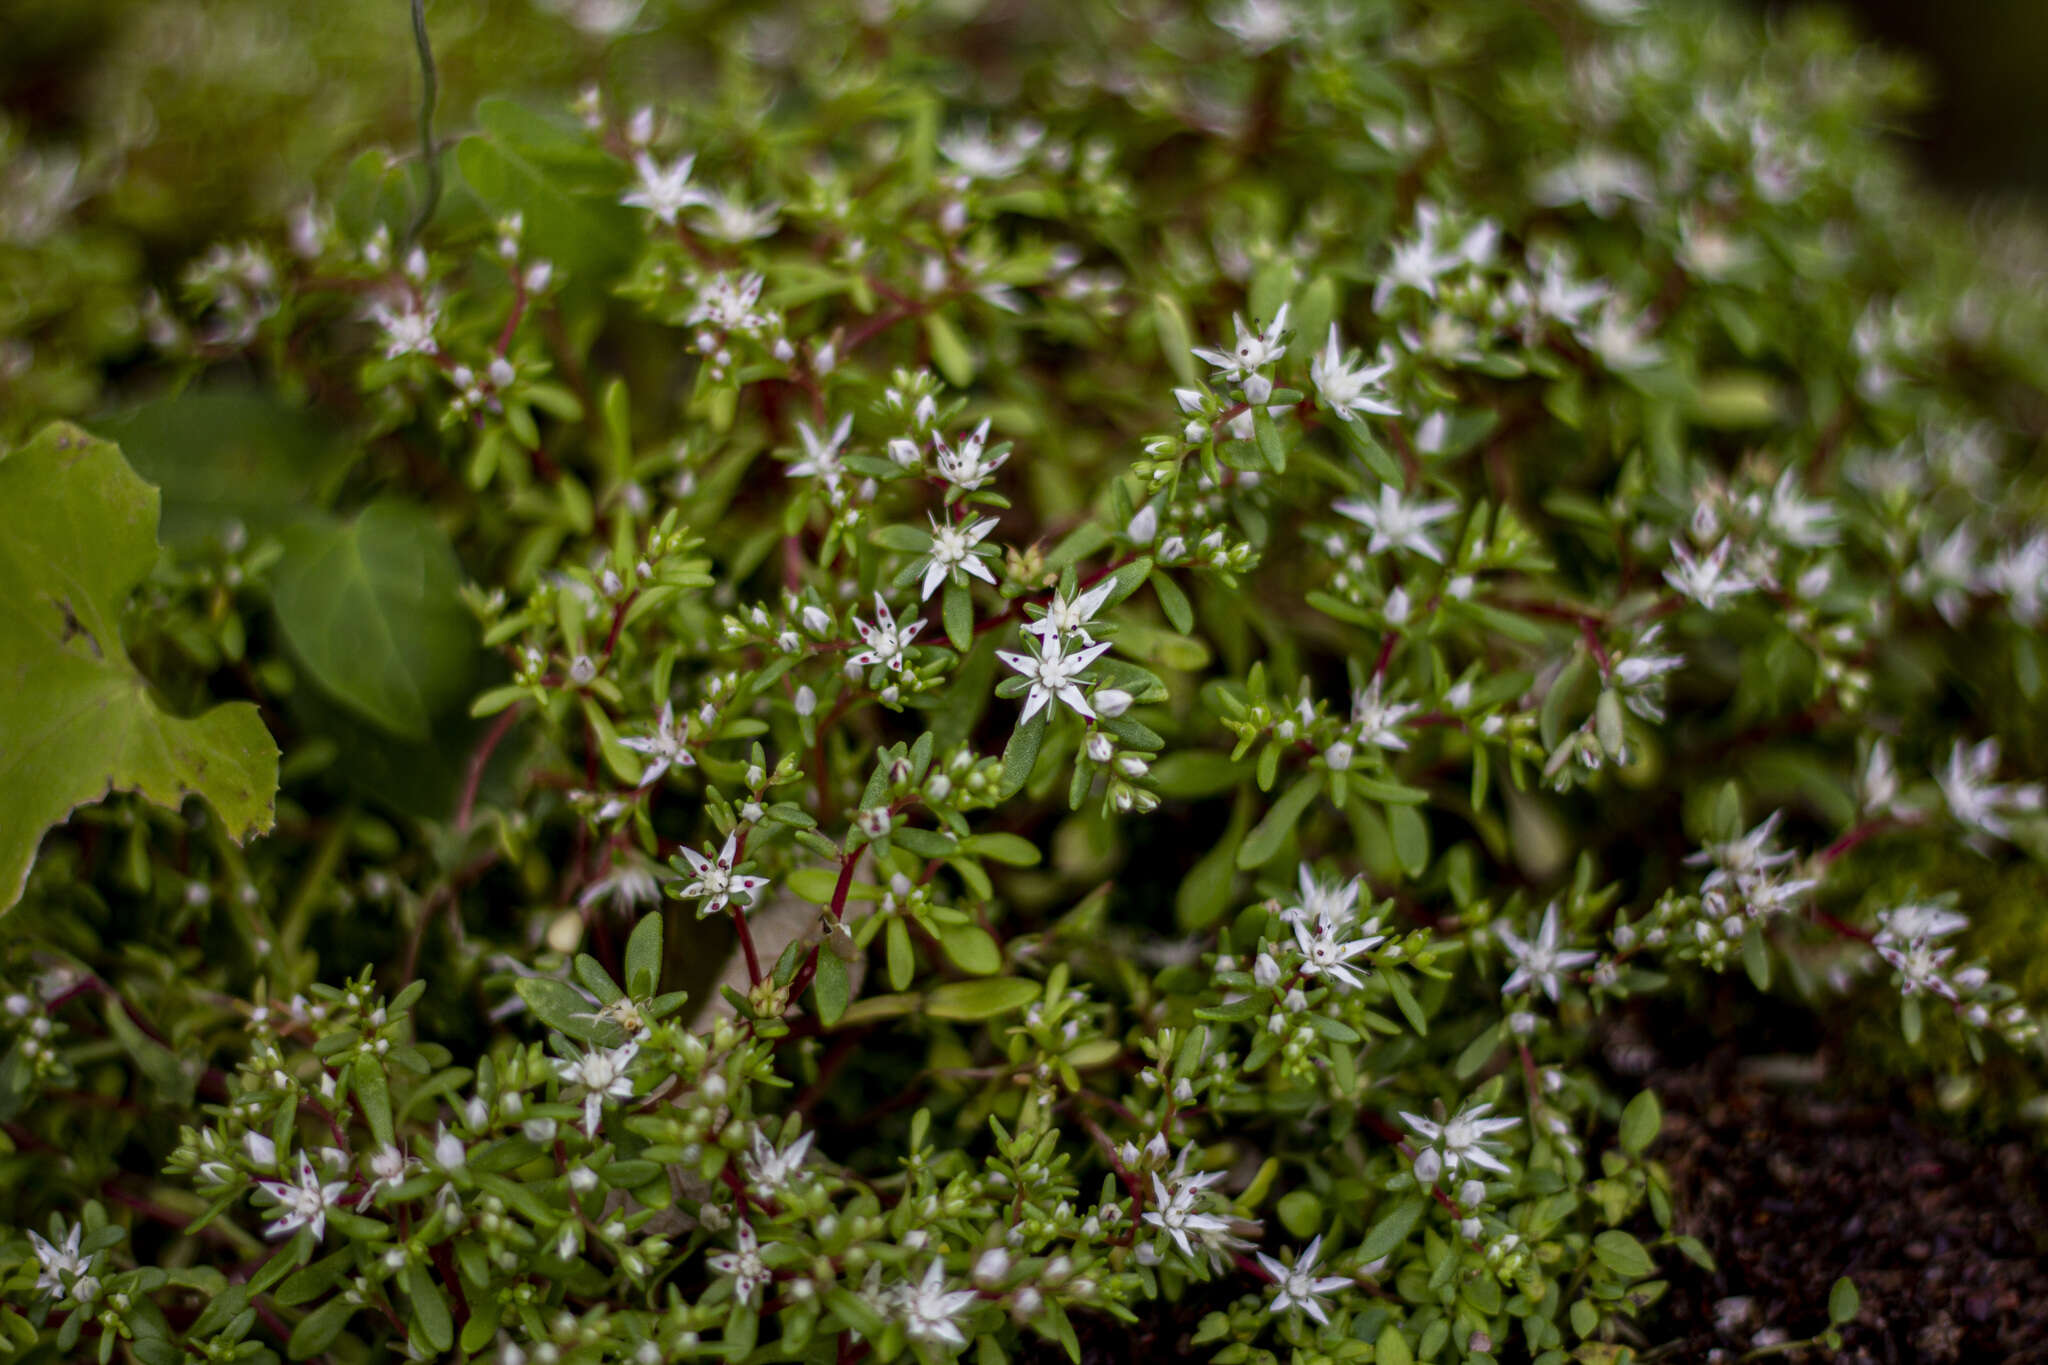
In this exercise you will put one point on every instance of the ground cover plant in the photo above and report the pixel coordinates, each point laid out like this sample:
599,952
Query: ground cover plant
907,681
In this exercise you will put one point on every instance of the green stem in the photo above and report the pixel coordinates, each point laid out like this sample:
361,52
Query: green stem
429,90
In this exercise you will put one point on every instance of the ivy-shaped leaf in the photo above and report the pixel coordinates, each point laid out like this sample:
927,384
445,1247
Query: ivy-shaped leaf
370,607
77,722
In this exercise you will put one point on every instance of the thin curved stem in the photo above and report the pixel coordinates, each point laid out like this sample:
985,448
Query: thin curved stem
430,87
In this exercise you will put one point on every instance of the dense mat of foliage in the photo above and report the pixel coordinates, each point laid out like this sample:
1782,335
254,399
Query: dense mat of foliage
879,677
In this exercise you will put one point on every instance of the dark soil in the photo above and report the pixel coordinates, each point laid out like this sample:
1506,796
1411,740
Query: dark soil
1947,1241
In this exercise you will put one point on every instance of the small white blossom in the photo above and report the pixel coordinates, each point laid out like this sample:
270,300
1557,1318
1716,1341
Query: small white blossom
1332,903
602,1074
964,466
55,1264
1299,1285
1621,342
667,747
1707,581
953,548
408,329
746,1269
885,640
980,156
1377,720
930,1310
663,191
1464,1140
1254,350
1069,617
733,221
1327,953
716,882
769,1169
303,1203
1541,962
1797,520
821,453
1974,799
2021,573
1396,523
1054,673
1348,389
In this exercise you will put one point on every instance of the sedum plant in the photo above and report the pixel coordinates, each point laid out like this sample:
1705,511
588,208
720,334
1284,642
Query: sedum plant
915,684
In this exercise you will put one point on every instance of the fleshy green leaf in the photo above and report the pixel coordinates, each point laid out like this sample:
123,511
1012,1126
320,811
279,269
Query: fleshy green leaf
832,987
77,534
1263,843
980,999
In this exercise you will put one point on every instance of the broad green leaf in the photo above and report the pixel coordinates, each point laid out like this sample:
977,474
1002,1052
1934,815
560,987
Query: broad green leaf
370,608
1622,1254
77,722
1640,1123
1301,1213
591,236
1844,1302
227,458
980,999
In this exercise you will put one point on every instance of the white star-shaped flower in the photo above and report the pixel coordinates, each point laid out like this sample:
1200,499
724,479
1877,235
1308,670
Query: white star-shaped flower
408,329
953,548
55,1263
821,453
1326,953
731,220
1174,1211
1377,720
663,191
1334,903
1069,617
666,748
1347,385
747,1271
1299,1285
1465,1140
1396,523
303,1202
769,1169
930,1310
1254,350
1974,799
885,641
602,1074
716,882
1707,581
1541,962
964,466
980,156
1054,673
